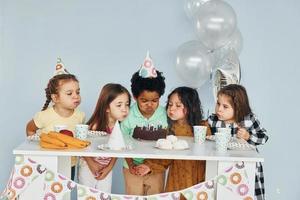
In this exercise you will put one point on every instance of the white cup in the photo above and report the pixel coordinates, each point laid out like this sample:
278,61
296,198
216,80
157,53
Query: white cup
225,130
199,134
222,140
59,127
81,131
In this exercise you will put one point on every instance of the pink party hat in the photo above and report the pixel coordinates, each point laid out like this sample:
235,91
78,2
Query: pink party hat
60,68
147,69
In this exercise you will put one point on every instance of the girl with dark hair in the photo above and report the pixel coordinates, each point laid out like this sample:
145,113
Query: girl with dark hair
233,111
184,111
113,104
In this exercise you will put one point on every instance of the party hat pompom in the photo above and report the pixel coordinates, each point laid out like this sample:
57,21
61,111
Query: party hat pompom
147,69
60,68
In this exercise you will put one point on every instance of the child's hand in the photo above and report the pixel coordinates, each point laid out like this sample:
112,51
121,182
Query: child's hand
243,134
95,167
142,170
132,169
103,173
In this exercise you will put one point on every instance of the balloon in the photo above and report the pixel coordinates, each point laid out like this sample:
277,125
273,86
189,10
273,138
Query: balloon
235,43
231,64
215,22
193,63
191,7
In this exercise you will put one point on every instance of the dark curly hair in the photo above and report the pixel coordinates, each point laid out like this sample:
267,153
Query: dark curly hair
140,84
238,99
189,97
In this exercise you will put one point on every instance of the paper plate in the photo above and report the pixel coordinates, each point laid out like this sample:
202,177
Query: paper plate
34,137
105,147
96,133
170,149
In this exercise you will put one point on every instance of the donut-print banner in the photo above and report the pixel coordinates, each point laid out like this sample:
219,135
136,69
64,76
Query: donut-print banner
201,191
87,193
57,186
235,179
23,174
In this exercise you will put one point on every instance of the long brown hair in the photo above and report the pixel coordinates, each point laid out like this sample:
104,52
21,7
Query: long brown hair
99,119
238,99
53,85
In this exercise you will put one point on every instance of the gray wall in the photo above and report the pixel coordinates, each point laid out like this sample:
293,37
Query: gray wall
106,41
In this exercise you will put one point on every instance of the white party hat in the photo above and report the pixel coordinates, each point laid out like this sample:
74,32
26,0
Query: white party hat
60,68
116,140
147,69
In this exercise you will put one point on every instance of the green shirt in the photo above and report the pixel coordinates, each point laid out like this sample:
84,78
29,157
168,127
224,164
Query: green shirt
135,118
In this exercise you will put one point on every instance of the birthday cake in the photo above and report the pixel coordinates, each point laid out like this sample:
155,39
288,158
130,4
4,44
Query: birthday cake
149,133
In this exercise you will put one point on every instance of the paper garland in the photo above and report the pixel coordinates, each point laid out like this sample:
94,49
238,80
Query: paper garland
236,180
24,173
57,186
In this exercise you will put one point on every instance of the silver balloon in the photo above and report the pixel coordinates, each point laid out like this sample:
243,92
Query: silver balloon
227,72
231,64
193,63
192,6
235,43
215,22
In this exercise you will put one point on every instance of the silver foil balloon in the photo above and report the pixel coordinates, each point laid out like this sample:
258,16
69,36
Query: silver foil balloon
229,72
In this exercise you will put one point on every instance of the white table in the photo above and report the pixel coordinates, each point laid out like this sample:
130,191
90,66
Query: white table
59,160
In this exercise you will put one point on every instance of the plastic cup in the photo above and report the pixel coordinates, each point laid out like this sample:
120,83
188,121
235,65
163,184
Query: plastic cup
199,134
221,141
225,130
81,131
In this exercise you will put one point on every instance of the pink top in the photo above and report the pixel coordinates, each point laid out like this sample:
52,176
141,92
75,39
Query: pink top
104,161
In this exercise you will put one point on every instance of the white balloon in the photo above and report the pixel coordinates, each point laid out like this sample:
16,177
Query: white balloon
235,43
193,63
215,22
192,6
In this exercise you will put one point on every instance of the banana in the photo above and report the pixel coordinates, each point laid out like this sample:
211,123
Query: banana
46,138
69,140
50,146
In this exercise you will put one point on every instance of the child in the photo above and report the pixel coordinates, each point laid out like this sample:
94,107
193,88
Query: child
147,86
113,104
63,90
184,111
233,111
